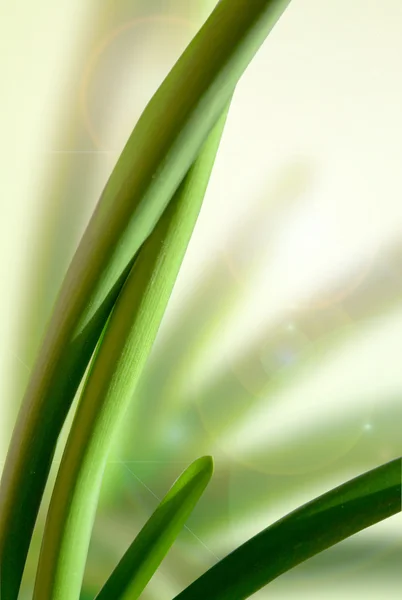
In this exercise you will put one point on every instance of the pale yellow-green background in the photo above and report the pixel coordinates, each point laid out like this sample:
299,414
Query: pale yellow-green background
292,282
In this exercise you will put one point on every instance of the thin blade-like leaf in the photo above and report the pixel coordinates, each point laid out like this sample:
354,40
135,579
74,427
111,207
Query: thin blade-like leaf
314,527
156,158
115,370
145,554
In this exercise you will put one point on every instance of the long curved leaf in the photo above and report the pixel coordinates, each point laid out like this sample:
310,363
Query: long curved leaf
145,554
114,373
327,520
157,156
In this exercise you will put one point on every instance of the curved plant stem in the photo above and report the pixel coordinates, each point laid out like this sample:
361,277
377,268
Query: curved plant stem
117,365
156,158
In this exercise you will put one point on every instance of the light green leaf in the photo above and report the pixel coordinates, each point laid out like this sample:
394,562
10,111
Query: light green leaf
156,158
114,373
145,554
327,520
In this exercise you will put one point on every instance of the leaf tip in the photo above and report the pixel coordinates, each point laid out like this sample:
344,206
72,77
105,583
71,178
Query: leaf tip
205,466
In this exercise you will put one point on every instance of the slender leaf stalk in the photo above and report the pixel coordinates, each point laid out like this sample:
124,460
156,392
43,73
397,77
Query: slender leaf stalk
117,365
327,520
156,158
150,546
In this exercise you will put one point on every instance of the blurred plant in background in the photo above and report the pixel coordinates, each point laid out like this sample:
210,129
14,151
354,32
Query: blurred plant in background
204,391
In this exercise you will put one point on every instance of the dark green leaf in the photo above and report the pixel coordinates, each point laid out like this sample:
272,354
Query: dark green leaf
325,521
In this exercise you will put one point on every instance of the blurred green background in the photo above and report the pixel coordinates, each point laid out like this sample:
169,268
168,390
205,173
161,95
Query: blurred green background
280,351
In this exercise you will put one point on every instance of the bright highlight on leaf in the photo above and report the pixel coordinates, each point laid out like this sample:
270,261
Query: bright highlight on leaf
327,520
145,554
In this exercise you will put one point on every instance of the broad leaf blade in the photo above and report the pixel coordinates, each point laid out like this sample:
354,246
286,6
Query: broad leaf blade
152,543
307,531
158,154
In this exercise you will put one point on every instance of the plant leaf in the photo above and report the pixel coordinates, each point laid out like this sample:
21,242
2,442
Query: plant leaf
145,554
164,144
327,520
114,373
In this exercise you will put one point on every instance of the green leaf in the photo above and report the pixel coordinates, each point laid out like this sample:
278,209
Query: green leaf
156,158
327,520
109,388
145,554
